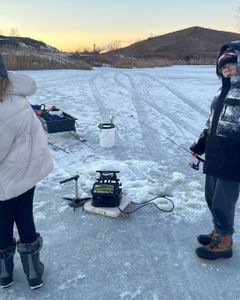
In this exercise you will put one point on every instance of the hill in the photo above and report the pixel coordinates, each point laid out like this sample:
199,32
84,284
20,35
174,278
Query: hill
22,53
26,43
194,45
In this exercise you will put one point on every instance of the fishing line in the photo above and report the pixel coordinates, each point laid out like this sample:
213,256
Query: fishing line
172,141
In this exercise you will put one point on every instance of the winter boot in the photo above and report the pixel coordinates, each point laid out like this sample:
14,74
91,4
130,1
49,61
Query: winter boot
6,265
32,266
205,239
219,247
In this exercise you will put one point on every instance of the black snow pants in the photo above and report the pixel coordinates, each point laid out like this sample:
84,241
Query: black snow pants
17,210
221,196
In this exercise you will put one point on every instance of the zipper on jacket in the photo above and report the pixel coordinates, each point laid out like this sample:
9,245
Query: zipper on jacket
219,105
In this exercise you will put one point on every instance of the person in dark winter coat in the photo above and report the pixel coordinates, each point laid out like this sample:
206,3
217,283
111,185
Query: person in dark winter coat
24,161
220,141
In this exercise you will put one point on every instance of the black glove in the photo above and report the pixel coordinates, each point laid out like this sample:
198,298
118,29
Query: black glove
198,147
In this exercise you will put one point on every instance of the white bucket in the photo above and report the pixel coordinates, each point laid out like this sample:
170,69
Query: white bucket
107,135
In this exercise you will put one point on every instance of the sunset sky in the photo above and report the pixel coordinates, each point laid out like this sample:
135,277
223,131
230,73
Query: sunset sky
71,25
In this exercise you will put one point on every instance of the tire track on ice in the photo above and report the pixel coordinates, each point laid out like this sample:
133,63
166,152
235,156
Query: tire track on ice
96,96
161,111
121,150
152,147
183,98
181,126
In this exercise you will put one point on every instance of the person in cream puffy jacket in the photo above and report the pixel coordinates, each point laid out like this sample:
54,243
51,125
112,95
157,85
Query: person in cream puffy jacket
24,161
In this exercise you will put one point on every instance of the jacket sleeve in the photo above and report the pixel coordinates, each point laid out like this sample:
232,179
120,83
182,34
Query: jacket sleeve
198,146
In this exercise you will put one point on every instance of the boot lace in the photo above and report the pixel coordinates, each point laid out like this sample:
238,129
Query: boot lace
215,240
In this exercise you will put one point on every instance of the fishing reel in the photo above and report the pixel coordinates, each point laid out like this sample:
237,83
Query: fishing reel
195,166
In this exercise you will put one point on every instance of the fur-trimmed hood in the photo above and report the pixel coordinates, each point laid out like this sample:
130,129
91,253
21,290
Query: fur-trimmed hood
235,46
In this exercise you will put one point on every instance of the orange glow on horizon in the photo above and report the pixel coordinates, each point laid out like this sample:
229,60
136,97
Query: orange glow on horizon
79,41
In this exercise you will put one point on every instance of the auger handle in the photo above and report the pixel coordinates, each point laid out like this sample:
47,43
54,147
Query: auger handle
69,179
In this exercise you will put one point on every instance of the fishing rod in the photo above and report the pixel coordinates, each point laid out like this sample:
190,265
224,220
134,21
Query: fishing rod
192,165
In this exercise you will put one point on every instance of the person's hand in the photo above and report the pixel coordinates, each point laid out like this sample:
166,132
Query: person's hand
194,154
197,148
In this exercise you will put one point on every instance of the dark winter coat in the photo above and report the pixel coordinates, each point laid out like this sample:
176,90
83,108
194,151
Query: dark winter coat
220,140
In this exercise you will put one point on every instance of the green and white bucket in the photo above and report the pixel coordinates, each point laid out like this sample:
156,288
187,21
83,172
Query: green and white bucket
107,135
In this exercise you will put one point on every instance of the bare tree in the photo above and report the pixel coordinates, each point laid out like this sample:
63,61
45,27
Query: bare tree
112,46
86,50
89,50
97,49
151,35
14,32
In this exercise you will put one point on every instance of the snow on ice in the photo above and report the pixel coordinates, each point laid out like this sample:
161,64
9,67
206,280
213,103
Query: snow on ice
148,255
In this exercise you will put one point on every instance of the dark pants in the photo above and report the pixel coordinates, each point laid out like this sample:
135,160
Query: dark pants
17,210
221,196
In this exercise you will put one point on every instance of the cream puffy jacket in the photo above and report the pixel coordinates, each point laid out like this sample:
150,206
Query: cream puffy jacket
24,155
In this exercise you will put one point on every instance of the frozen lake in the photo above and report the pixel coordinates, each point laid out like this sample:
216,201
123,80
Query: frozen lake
148,255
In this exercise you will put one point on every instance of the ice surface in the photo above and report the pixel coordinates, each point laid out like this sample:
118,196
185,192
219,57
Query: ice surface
148,255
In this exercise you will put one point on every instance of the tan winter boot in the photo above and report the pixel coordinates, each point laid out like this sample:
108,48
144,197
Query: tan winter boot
219,247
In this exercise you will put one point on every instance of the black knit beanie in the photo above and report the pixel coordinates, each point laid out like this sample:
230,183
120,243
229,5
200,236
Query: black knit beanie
228,57
3,69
